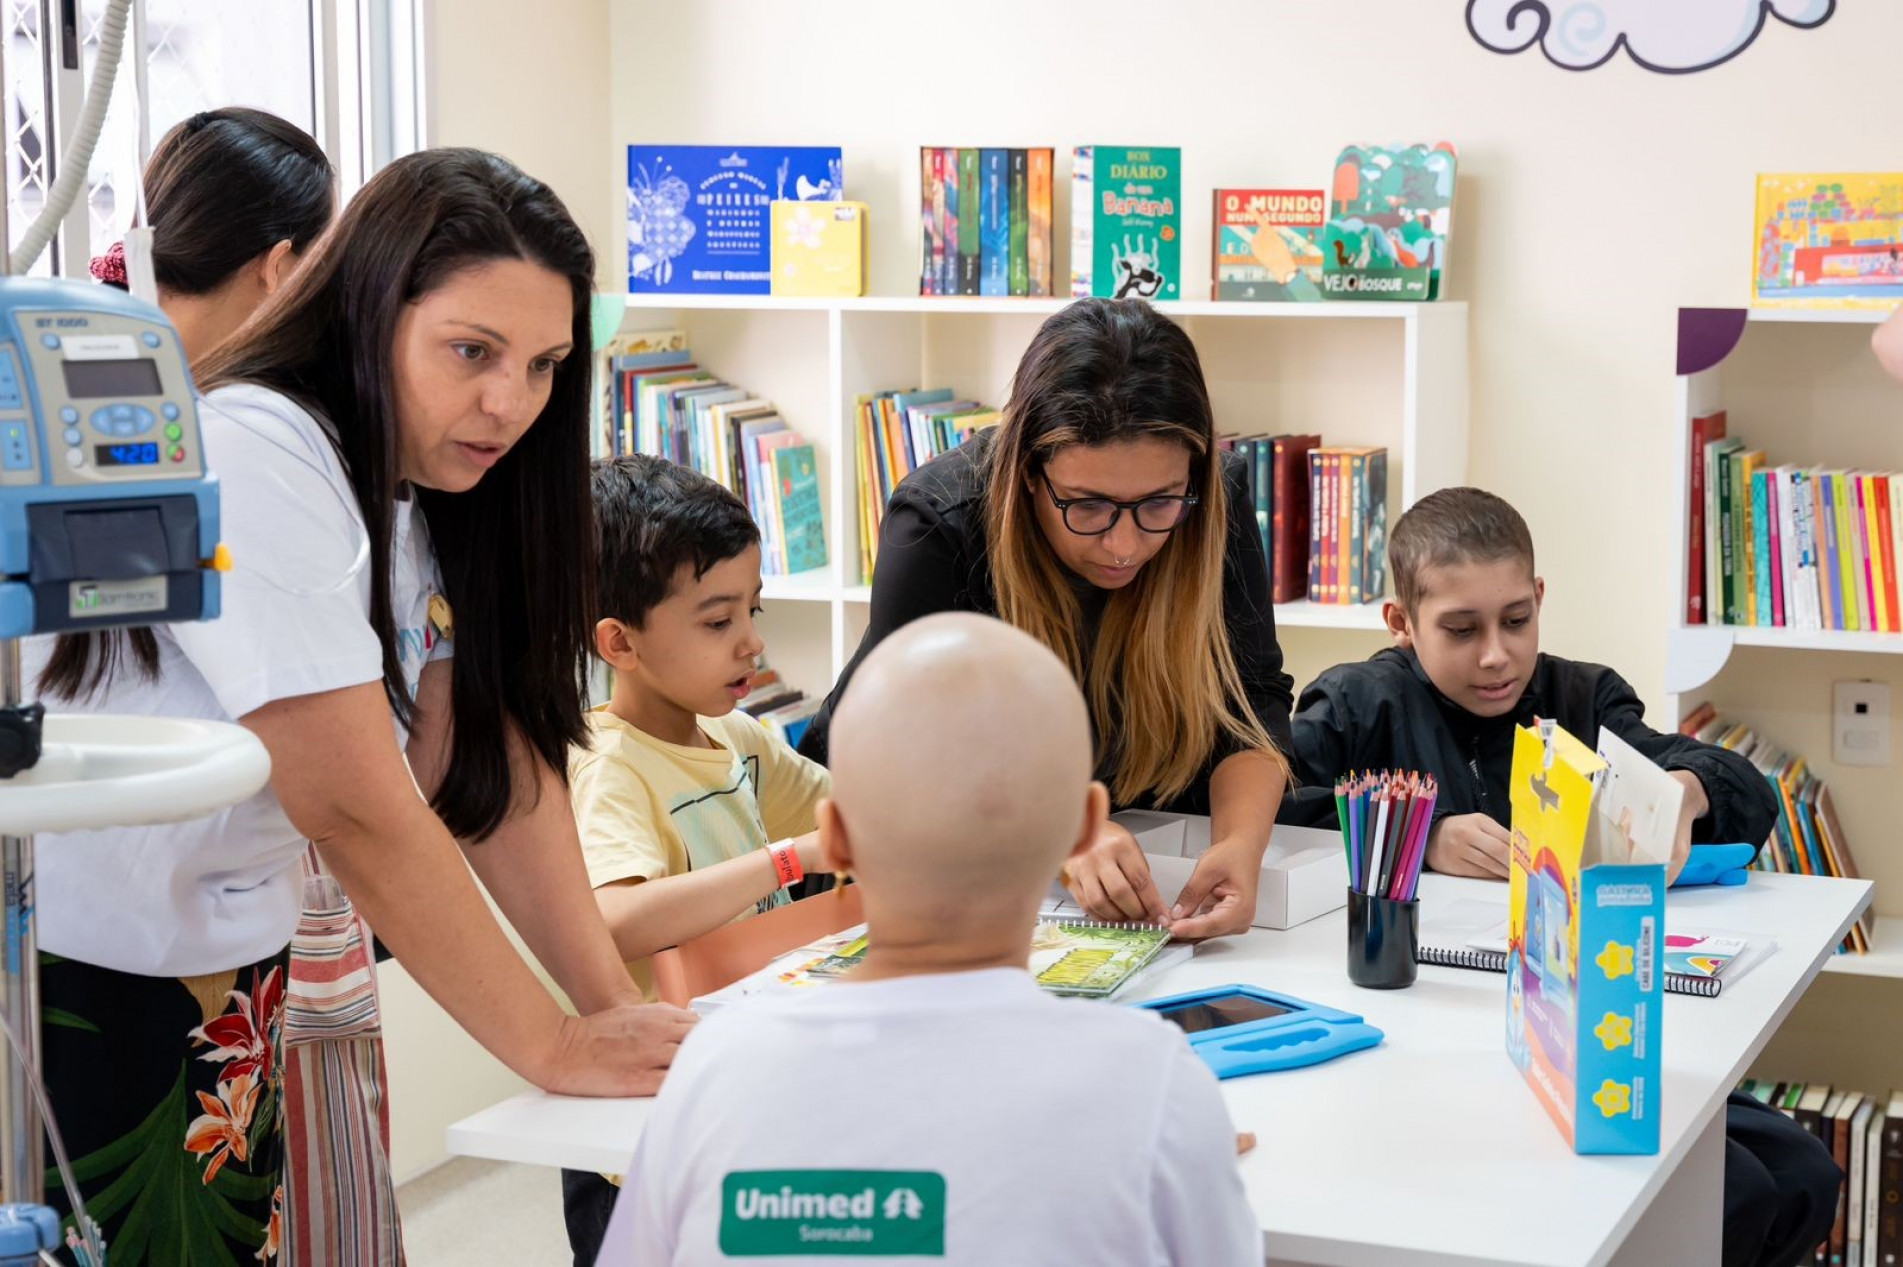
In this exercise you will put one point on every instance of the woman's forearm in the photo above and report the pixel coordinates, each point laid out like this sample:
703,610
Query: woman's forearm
343,784
412,886
1245,790
533,868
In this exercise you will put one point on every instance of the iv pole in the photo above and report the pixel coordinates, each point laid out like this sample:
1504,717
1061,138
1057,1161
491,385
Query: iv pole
71,773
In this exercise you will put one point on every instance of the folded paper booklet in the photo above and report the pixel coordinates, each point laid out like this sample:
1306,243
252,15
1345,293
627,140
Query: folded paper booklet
1070,955
1472,933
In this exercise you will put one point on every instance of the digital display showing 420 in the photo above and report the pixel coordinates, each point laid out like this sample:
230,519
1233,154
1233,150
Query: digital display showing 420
126,454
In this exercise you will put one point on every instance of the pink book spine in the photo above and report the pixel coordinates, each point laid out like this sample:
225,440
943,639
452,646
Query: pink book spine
1773,494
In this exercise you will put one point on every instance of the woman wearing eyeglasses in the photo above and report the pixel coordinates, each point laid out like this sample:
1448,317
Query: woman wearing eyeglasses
1100,517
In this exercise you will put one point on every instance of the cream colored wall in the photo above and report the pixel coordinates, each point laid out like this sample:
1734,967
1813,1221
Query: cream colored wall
530,81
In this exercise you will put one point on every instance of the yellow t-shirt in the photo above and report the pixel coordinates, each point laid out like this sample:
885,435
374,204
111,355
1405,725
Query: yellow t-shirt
648,809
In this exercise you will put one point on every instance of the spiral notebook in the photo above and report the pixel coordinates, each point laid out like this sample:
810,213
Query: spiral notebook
1697,962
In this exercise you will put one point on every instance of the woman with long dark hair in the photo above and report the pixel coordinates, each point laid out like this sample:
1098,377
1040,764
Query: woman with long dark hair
400,438
235,198
1102,518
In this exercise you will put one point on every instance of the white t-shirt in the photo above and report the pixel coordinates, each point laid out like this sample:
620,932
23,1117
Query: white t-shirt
219,892
966,1118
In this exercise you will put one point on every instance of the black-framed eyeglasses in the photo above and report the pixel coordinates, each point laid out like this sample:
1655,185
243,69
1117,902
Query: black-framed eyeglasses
1094,516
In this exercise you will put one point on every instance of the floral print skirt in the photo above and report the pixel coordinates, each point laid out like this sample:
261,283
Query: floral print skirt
170,1098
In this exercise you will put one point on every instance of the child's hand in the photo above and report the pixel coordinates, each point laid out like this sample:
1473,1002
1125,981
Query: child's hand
1112,880
1469,844
1245,1140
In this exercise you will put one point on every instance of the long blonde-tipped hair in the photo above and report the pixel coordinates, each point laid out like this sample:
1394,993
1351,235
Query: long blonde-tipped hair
1160,677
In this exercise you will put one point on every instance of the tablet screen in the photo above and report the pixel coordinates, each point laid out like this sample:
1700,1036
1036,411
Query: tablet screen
1221,1012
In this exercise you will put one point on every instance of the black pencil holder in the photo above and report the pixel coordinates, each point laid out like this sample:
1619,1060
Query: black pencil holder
1383,941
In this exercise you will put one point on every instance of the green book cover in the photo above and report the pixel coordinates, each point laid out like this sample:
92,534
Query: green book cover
802,532
1136,221
970,207
1020,223
1389,222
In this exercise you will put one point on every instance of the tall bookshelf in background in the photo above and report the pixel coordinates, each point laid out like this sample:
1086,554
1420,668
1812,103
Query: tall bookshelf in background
1802,386
1391,374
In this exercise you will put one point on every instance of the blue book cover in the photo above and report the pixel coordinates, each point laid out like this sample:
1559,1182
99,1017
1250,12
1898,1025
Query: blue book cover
1761,541
699,216
994,222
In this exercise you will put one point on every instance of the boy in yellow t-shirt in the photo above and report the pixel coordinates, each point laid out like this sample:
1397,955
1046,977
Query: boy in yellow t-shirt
676,795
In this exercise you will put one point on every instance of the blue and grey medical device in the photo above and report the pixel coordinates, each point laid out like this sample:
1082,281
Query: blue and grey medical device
1239,1029
108,516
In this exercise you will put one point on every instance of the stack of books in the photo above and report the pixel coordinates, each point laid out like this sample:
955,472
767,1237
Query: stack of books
661,402
1809,837
1864,1134
780,707
1800,547
984,221
897,432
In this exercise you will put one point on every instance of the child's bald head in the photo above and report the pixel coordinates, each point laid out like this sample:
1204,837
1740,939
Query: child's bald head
961,770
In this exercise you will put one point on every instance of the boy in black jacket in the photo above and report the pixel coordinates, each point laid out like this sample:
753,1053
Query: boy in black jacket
1465,670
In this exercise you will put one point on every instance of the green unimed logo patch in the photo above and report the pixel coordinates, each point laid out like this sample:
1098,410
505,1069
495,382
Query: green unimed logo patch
885,1212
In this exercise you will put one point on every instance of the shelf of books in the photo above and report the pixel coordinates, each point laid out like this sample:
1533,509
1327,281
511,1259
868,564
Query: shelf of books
813,410
1788,522
750,349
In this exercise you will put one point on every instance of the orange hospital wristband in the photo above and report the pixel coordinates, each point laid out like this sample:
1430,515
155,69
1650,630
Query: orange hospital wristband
786,864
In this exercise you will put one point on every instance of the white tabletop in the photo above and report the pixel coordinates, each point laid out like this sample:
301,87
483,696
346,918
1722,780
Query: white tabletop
1428,1148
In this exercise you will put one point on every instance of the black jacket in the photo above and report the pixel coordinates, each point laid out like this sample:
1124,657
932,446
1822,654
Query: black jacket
1385,713
933,557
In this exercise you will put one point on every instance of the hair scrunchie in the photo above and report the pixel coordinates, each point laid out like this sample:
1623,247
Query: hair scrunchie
110,268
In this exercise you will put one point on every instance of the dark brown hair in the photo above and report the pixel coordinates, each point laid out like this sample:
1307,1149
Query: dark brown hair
1454,525
224,187
1160,677
516,552
651,519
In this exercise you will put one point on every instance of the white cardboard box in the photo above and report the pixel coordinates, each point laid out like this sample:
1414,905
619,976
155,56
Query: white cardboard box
1304,872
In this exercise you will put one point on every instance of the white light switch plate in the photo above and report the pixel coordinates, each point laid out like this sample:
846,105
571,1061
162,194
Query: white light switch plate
1860,723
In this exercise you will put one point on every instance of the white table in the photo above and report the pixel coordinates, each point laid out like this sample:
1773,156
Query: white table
1428,1150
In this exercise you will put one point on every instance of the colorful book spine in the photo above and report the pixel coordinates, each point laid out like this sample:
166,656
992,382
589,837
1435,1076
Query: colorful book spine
1843,503
970,221
1318,515
1886,527
954,221
1705,429
1774,532
1881,616
927,227
1747,539
994,221
1727,511
1038,248
945,208
1083,219
1344,521
1829,577
1760,515
1376,570
1020,226
1356,476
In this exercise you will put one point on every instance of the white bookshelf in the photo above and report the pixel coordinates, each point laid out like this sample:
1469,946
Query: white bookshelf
1696,654
1358,373
1803,386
